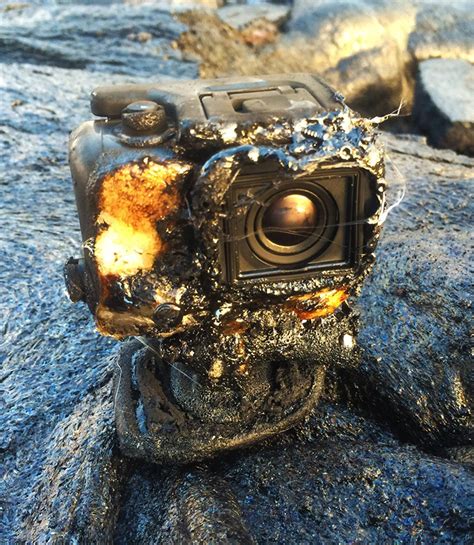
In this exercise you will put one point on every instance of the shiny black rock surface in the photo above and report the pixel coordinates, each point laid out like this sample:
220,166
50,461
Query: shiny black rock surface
386,458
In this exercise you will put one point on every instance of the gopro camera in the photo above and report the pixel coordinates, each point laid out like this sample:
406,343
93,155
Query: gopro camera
226,224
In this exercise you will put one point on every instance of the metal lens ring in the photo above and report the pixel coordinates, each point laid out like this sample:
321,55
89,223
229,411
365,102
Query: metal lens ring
317,241
309,239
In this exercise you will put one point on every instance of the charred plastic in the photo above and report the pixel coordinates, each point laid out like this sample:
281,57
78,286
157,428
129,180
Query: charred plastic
228,222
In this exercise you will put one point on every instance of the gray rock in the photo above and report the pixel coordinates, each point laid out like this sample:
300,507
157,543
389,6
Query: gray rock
80,480
359,46
373,79
443,30
97,38
313,16
340,477
444,103
347,492
366,47
51,357
241,16
414,307
168,5
337,479
213,4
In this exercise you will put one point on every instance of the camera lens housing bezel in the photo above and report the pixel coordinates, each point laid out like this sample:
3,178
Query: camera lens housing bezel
343,197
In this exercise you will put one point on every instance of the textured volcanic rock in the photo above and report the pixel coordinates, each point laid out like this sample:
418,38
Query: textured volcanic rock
344,476
328,490
80,480
240,16
120,40
415,306
337,479
443,30
445,111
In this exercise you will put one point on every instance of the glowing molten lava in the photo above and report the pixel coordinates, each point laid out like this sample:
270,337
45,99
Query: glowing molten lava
131,201
317,305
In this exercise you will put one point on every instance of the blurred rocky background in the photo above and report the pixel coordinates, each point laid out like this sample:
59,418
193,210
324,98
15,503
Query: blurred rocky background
387,457
381,54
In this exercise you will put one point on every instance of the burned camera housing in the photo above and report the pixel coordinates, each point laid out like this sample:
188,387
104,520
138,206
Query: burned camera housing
225,224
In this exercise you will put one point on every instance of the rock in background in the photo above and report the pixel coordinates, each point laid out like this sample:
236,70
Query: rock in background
444,104
367,49
443,30
442,48
387,456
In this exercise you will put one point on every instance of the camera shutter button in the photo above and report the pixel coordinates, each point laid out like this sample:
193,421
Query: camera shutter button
145,115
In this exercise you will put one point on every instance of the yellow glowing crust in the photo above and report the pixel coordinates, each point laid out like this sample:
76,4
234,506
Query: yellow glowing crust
131,200
317,305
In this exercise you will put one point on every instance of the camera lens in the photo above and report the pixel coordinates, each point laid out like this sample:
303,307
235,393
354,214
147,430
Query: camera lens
290,219
289,225
282,224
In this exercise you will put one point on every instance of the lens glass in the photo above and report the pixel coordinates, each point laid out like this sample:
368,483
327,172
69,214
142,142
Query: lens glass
290,219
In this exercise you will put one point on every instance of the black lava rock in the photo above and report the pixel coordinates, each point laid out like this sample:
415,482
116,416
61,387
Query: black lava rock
386,459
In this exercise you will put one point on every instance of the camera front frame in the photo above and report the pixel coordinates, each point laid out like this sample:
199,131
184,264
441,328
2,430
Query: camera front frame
334,246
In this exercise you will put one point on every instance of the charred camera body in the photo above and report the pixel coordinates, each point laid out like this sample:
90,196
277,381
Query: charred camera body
225,226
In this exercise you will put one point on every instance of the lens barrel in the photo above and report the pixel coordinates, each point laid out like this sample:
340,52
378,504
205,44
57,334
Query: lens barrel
290,219
291,224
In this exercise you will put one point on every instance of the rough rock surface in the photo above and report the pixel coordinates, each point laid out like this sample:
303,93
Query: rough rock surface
418,301
338,479
130,40
443,30
386,458
241,16
445,112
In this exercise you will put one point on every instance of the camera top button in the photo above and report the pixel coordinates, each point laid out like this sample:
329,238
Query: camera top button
145,115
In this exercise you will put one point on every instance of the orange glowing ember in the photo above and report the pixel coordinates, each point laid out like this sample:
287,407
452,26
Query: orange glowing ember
131,200
317,305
